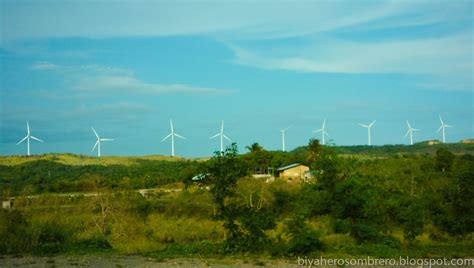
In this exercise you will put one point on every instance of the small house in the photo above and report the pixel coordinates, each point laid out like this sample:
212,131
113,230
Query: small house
294,173
7,204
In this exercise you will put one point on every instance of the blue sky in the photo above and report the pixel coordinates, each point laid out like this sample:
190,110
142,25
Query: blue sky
127,67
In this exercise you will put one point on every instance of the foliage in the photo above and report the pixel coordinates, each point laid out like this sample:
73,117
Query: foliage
254,147
244,223
444,160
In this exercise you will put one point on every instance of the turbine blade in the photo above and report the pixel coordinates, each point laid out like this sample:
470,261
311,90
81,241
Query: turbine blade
415,129
362,125
371,124
448,125
324,123
26,137
106,139
408,124
439,129
215,136
408,132
441,120
222,127
95,145
34,138
179,136
227,138
95,132
319,130
171,124
165,138
327,134
288,128
28,127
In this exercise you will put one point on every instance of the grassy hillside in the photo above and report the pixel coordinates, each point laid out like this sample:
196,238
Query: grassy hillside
81,160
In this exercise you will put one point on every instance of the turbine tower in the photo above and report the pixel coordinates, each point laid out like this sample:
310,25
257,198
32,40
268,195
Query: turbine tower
410,131
97,143
323,132
368,129
28,137
443,127
283,138
222,137
172,135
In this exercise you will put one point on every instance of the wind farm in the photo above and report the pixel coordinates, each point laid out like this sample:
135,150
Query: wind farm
236,133
222,136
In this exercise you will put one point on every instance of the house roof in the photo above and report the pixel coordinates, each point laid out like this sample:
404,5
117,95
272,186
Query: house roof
289,166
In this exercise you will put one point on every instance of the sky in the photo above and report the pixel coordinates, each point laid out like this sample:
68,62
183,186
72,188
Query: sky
128,67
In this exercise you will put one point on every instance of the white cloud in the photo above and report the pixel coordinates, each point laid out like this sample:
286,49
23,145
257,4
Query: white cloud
232,19
132,85
42,65
97,78
449,57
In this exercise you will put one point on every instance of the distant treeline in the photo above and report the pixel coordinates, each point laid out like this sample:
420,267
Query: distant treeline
385,150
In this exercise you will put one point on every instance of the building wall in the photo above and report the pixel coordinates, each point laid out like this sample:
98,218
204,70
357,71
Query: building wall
295,174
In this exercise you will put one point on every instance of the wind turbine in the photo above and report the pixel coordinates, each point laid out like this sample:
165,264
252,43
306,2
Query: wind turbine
97,143
28,137
222,136
443,127
323,132
283,138
172,135
368,129
410,131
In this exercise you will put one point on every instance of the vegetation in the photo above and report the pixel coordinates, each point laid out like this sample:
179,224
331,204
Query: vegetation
49,176
415,205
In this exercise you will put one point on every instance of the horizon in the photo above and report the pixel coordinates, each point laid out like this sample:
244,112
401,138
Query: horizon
127,68
241,150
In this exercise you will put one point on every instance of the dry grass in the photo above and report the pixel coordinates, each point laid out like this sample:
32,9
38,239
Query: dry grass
77,160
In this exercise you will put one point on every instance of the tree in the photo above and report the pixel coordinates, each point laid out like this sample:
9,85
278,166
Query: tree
314,150
254,147
245,224
444,160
